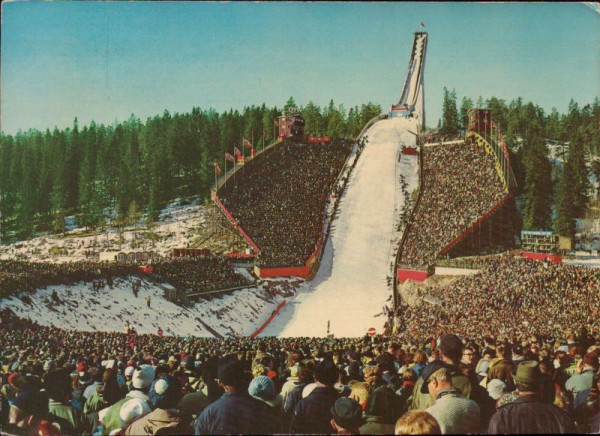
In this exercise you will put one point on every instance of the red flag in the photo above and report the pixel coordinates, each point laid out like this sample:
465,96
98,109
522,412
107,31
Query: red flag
236,152
252,152
217,169
246,143
229,157
132,338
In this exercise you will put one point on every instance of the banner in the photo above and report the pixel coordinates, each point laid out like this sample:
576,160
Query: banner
246,143
229,157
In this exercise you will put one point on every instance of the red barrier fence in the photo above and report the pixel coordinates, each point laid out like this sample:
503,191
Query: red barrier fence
412,274
269,319
241,256
542,256
290,271
235,223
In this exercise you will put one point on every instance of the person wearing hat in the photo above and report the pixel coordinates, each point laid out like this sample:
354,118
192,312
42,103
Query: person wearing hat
346,416
354,369
165,395
501,368
236,412
381,412
135,404
313,413
305,377
450,353
530,413
584,378
263,388
454,413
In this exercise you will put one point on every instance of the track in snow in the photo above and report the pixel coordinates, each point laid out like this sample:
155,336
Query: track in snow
351,286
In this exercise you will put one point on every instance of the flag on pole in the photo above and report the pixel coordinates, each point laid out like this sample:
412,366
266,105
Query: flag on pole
236,152
246,143
229,157
422,24
217,169
252,154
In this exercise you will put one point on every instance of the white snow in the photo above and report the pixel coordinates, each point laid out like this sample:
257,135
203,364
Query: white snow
350,288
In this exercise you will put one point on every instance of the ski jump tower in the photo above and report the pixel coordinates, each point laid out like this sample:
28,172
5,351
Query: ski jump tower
412,99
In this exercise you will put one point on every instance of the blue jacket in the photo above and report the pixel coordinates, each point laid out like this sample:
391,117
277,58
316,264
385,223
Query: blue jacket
313,413
238,413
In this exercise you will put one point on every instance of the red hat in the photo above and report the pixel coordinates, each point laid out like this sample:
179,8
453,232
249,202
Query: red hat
12,378
81,366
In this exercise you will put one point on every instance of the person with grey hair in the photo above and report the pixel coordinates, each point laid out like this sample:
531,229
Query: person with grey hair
454,413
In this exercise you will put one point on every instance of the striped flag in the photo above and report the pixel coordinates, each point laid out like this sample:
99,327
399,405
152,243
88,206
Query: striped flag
217,169
229,157
236,152
246,143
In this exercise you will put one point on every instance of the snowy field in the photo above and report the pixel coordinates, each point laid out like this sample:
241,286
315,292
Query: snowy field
351,287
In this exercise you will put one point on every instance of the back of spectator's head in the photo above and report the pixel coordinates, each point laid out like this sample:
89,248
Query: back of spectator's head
58,384
528,377
417,422
409,376
165,392
306,370
383,403
451,346
231,372
326,372
192,405
359,392
420,357
143,377
262,387
346,414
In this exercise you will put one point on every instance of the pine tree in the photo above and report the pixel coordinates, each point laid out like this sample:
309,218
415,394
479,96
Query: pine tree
465,106
538,185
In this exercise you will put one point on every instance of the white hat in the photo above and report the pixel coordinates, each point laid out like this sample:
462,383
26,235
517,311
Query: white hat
143,377
129,371
496,388
132,410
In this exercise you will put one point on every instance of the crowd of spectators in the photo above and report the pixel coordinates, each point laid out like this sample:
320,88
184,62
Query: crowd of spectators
67,382
280,201
198,274
26,276
512,295
188,273
459,185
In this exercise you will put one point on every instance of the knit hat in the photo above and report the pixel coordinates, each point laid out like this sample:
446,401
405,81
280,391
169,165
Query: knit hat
427,371
327,373
347,413
451,346
262,387
528,374
231,371
143,377
193,404
591,359
12,377
165,392
496,388
129,371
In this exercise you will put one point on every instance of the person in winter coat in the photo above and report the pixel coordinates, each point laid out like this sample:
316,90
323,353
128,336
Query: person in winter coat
530,413
165,395
381,412
135,404
63,416
236,412
312,414
305,376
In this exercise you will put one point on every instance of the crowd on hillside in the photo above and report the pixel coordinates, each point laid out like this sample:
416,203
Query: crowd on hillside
460,184
192,273
198,274
26,276
511,295
280,201
66,382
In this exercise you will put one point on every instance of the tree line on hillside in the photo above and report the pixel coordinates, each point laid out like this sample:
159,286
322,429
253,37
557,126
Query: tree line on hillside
543,185
112,174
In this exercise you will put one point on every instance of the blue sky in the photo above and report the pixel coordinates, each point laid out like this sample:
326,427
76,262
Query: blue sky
103,61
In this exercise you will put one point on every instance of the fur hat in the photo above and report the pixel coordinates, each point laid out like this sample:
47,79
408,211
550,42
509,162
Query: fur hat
347,413
143,377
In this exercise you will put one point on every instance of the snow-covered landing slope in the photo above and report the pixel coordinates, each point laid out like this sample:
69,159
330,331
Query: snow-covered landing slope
81,308
351,286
